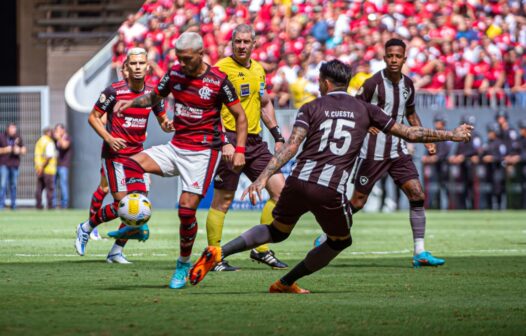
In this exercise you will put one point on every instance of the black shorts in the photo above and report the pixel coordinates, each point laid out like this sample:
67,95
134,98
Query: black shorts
257,156
331,209
368,172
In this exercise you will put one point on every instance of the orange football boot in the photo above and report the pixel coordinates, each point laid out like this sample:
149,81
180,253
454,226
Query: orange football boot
210,257
278,287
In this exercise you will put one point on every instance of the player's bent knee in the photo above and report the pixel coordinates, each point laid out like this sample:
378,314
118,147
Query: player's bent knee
276,234
339,244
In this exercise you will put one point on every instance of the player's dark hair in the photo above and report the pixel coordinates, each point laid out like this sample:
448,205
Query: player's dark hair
395,43
337,72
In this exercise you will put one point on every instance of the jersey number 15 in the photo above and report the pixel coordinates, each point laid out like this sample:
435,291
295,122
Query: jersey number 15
341,131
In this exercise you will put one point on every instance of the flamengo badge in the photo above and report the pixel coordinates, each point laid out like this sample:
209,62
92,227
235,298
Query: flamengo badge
205,93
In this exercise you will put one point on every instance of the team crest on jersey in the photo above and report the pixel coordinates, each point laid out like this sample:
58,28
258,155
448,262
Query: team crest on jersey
405,93
102,98
205,93
244,90
363,180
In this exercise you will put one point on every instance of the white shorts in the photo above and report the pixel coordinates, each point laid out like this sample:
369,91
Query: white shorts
195,167
117,178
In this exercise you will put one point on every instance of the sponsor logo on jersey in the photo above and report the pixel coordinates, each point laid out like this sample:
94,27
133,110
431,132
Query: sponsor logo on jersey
363,180
244,90
107,101
229,95
102,98
134,122
240,74
205,93
134,180
211,81
188,111
121,92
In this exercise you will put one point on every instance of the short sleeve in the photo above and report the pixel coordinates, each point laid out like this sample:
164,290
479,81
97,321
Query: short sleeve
303,117
365,93
227,93
379,119
163,88
107,100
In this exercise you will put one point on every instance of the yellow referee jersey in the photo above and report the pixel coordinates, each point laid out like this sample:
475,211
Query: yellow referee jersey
250,87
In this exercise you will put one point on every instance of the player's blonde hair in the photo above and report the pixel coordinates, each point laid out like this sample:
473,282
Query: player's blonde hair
189,40
135,51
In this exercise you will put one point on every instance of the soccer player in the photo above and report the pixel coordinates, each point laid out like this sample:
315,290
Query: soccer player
123,135
383,153
199,90
248,78
334,127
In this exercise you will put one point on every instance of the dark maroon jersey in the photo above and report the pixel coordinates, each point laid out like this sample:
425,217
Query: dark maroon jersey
393,99
129,125
197,106
336,127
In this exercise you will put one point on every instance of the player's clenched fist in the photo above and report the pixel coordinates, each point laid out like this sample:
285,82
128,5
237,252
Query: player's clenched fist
462,133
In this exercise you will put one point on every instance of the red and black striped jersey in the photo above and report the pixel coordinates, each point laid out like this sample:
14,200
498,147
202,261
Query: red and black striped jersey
129,125
197,106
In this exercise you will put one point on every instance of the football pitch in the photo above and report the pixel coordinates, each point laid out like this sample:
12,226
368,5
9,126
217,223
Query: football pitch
370,289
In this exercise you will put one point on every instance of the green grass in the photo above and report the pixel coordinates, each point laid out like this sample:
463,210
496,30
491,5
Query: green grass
371,288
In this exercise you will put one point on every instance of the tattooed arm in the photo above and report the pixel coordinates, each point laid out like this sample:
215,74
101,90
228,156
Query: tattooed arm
146,100
414,120
287,152
420,134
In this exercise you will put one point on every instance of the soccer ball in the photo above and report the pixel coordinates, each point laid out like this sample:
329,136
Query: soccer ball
135,210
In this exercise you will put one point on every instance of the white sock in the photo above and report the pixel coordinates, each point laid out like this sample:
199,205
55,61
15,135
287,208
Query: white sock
116,249
86,227
184,259
419,245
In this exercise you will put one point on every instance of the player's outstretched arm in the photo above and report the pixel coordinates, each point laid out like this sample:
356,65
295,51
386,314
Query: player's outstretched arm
420,134
414,120
147,100
237,111
287,152
97,123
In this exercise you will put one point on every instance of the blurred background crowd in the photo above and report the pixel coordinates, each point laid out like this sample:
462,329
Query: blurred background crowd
463,52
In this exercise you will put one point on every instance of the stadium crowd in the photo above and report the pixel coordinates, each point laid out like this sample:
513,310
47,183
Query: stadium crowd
461,51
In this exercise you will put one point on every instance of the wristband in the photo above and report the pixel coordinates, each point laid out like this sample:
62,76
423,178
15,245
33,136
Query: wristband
276,134
240,149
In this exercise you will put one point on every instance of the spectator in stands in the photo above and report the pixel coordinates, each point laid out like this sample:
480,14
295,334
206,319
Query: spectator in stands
452,32
63,144
11,149
45,167
302,91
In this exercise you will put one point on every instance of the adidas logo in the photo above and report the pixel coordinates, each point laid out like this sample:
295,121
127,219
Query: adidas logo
218,178
241,74
178,87
195,184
